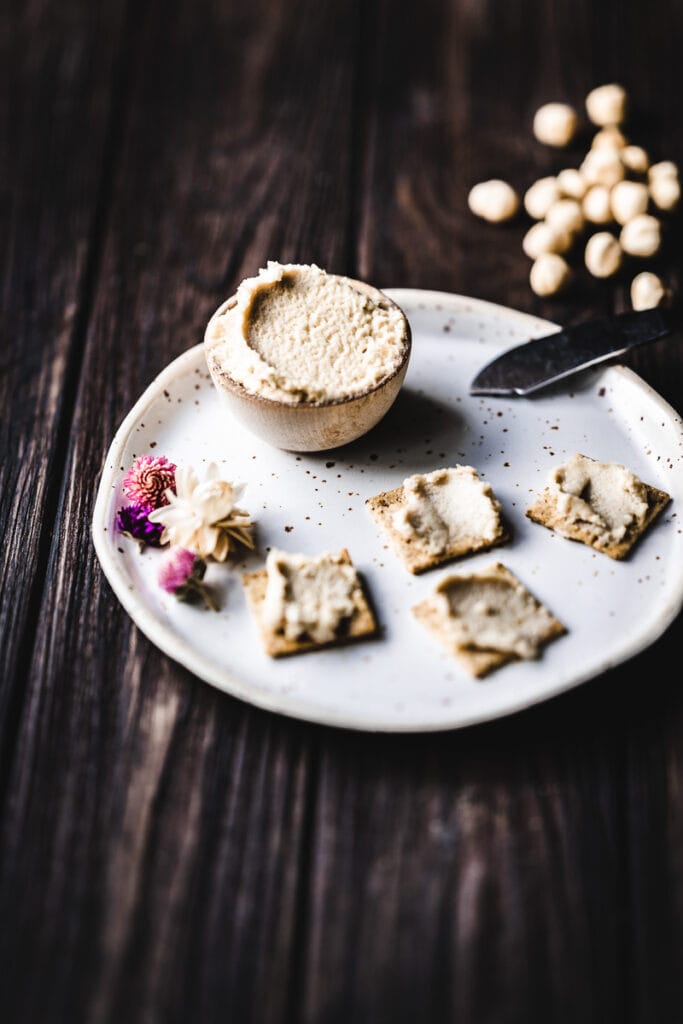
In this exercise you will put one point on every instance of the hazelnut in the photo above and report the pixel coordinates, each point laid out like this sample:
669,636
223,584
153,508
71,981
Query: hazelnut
540,196
555,124
542,237
628,199
665,168
635,159
609,137
665,191
565,216
597,207
572,184
648,291
641,236
603,167
549,274
493,200
603,254
607,104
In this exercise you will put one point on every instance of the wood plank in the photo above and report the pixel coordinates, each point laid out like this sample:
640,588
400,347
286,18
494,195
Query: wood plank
169,851
654,818
652,794
155,825
476,876
525,870
60,65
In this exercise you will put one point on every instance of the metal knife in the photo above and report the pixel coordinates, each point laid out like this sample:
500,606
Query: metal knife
536,364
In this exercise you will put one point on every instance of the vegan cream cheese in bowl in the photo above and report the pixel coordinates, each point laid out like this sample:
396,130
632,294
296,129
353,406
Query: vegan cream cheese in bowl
305,359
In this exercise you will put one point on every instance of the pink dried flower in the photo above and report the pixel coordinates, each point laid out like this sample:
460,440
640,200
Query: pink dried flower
181,573
148,480
176,569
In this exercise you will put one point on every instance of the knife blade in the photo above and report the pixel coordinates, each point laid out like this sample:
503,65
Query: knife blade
536,364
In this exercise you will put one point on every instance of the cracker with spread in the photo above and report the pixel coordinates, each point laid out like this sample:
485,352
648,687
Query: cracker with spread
433,518
303,603
601,504
487,619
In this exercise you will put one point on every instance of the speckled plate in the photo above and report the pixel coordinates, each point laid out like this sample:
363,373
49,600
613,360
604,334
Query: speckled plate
403,681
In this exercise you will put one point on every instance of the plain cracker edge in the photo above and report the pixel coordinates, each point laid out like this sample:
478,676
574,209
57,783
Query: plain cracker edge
544,512
414,559
363,622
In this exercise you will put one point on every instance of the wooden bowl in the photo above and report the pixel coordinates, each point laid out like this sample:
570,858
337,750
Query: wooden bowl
308,426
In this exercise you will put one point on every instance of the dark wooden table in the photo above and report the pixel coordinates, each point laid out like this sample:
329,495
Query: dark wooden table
171,854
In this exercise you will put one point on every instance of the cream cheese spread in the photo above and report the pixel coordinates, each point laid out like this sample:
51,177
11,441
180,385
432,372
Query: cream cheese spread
309,596
447,506
605,498
295,333
494,614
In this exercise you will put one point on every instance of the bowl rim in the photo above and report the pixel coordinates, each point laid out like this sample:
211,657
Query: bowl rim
230,384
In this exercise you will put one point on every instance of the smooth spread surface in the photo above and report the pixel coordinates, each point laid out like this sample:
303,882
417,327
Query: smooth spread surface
447,506
488,611
308,596
297,334
604,498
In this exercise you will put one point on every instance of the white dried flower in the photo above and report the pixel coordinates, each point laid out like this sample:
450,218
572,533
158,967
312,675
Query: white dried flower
555,124
603,254
607,104
540,196
203,517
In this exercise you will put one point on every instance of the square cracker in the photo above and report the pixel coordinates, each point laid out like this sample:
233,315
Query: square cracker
413,555
362,623
479,662
545,512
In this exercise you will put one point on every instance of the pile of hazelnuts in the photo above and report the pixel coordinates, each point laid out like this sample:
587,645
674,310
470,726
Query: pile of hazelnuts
615,186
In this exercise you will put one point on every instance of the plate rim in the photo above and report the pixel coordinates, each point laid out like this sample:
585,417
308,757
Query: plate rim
225,680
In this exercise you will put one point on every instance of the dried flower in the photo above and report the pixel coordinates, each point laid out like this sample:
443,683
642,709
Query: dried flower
182,573
147,482
203,517
176,569
133,521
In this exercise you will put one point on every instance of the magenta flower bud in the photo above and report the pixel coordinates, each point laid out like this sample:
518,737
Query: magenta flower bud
181,573
176,569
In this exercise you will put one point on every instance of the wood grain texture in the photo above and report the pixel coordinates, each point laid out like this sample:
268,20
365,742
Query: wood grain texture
156,825
169,854
59,65
475,899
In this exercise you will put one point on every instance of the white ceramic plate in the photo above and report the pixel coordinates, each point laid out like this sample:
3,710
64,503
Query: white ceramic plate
403,681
